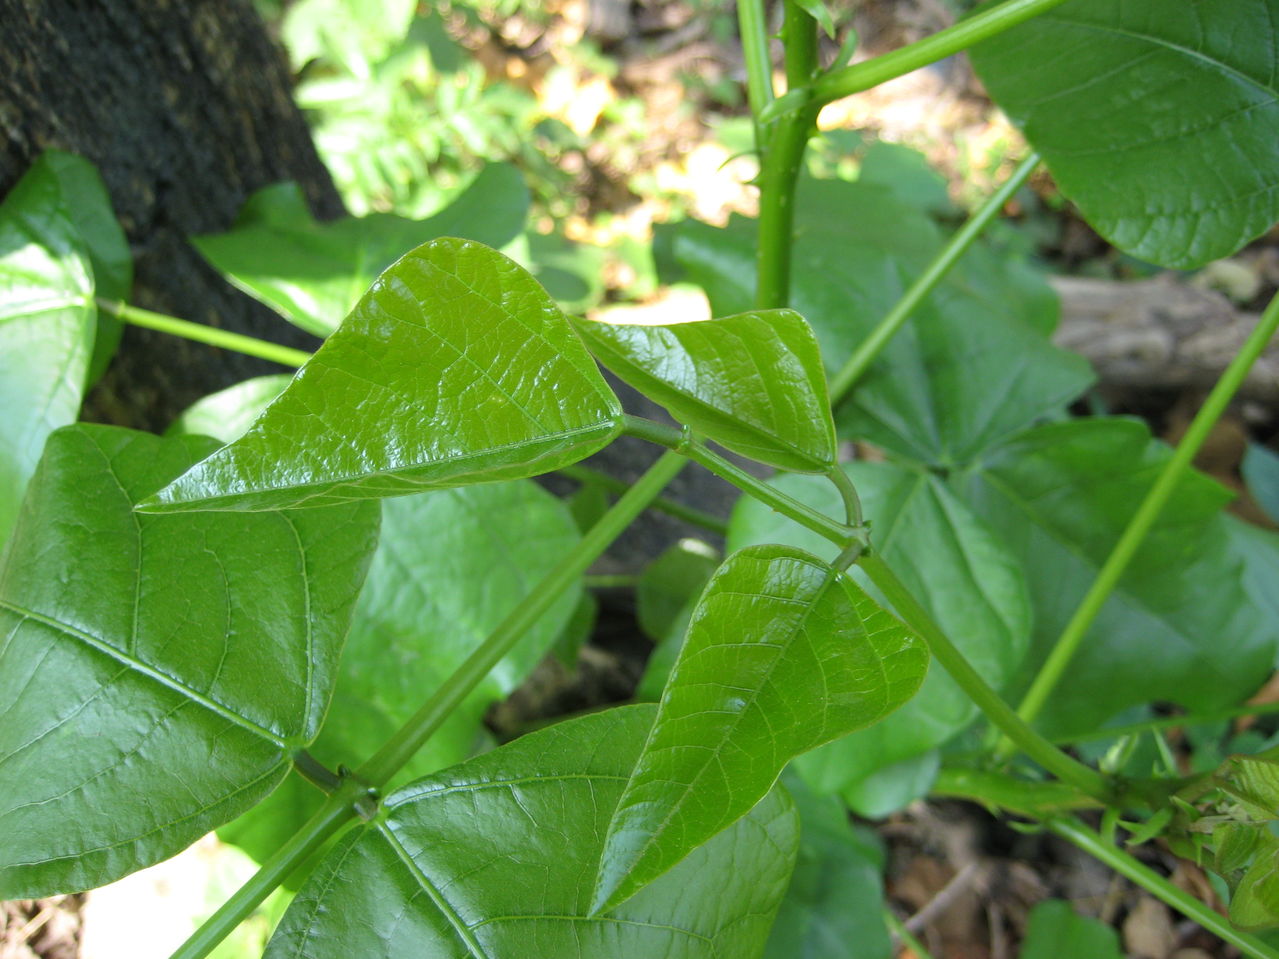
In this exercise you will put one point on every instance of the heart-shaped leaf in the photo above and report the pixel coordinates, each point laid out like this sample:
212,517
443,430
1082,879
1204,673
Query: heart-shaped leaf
951,562
313,273
783,654
1158,119
494,859
158,672
46,327
450,565
455,368
753,382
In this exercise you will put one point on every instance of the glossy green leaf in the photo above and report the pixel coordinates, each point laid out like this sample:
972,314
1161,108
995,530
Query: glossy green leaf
227,414
455,368
834,906
89,208
1056,931
158,672
450,566
973,365
949,560
1182,625
665,597
890,789
1157,119
783,654
314,273
752,383
494,859
46,327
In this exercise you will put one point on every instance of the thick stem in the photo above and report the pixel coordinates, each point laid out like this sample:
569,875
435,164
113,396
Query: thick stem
337,811
248,345
1155,884
873,345
969,680
1172,473
409,739
683,443
966,33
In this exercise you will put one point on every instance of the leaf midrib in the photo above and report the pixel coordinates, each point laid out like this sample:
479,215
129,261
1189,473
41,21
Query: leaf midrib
143,669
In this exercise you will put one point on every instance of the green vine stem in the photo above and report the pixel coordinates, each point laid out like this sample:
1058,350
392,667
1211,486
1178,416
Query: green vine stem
344,803
338,809
1034,745
1172,473
752,24
401,747
871,73
682,442
690,514
250,346
1155,884
926,282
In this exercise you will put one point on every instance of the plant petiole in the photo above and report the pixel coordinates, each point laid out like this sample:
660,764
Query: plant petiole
199,333
690,514
315,772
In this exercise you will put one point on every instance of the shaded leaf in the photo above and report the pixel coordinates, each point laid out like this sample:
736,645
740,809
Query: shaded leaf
314,273
455,368
948,558
494,859
892,788
157,672
1157,119
753,383
783,653
227,414
1260,470
1056,931
1181,626
46,327
665,598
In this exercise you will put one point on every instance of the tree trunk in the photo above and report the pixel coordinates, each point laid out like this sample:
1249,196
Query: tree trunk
185,107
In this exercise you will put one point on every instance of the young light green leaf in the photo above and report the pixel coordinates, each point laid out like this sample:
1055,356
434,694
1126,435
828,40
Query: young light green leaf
966,579
834,906
753,383
450,565
1182,626
1157,119
1056,931
890,788
46,327
783,654
455,368
227,414
818,10
158,672
1255,904
494,859
314,273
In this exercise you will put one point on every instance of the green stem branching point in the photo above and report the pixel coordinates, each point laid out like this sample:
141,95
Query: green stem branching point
401,747
683,443
1155,884
1034,745
926,282
871,73
238,342
1139,526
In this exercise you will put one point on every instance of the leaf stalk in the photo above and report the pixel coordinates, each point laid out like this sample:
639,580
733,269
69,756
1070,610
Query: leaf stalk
199,333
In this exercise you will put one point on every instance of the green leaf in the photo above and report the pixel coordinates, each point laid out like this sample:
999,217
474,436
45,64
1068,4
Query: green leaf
665,598
753,383
1157,119
1254,783
833,907
1181,626
969,583
455,368
973,365
783,654
494,859
313,273
818,10
158,671
1260,470
450,566
1255,904
892,788
46,326
227,414
1056,931
86,202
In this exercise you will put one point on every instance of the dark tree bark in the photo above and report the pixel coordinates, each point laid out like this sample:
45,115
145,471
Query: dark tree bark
185,107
